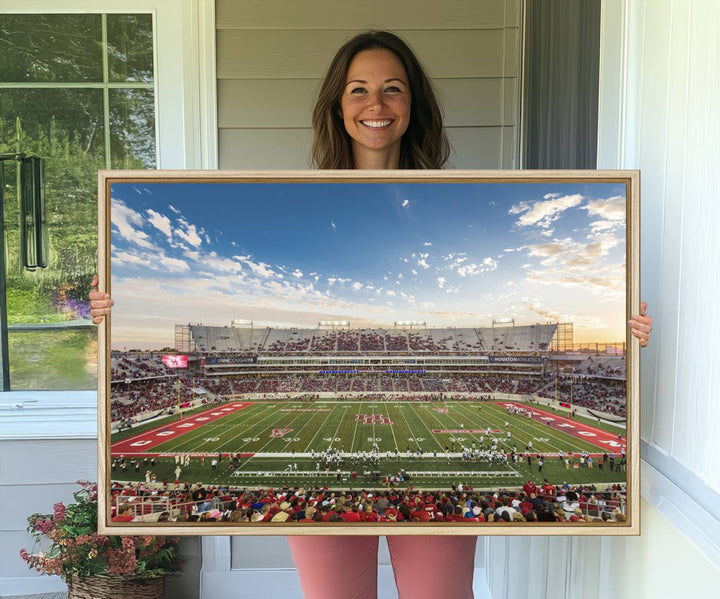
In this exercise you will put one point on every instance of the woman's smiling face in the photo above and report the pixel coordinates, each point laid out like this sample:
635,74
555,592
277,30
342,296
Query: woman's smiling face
375,107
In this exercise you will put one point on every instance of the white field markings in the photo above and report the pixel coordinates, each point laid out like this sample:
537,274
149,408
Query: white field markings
392,426
340,411
185,442
414,434
262,426
490,417
357,423
533,432
245,430
300,432
320,428
576,444
285,425
407,424
473,436
339,426
206,431
399,409
474,424
432,434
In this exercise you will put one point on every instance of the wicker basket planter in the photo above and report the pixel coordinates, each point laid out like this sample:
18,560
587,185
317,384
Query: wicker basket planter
116,587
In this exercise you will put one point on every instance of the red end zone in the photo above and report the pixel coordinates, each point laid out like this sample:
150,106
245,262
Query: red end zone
143,442
605,440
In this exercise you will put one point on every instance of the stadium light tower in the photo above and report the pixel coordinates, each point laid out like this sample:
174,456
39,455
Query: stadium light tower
503,321
409,324
333,324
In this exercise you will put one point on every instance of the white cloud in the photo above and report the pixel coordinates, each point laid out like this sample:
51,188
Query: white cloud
422,263
174,265
487,265
405,203
220,264
544,213
611,213
160,222
357,286
297,273
189,233
469,270
333,226
610,209
261,269
427,243
121,258
518,208
126,220
441,282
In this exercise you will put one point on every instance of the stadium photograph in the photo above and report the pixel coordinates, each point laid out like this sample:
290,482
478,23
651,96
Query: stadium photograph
363,352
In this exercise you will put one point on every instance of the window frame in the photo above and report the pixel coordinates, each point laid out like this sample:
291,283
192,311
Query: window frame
186,138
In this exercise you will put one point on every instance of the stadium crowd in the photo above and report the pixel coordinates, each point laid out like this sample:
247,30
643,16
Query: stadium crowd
281,341
541,502
131,397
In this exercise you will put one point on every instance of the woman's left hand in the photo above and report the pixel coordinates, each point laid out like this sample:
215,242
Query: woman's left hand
641,325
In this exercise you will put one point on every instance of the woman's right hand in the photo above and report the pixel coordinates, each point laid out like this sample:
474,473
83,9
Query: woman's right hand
100,303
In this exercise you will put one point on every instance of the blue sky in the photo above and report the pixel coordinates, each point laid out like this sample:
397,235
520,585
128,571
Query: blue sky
292,254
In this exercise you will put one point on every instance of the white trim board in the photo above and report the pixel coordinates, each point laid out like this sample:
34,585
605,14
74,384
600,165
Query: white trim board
667,484
48,415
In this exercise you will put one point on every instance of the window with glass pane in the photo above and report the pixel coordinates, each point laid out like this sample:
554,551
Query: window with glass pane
78,91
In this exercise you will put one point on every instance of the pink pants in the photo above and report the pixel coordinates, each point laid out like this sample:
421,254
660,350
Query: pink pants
425,567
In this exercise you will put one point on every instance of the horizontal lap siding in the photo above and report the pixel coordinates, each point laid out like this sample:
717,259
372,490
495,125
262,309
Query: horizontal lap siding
34,475
271,60
338,14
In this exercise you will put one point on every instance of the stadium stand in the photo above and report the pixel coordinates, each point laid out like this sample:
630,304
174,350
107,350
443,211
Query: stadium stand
183,502
440,340
276,362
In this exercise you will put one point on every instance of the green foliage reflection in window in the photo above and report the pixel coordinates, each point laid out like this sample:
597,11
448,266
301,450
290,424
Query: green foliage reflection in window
82,88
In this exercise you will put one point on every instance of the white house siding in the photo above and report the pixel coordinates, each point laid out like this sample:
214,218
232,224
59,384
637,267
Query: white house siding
271,57
658,112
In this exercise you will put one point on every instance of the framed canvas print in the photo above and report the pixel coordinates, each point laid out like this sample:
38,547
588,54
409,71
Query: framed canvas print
366,352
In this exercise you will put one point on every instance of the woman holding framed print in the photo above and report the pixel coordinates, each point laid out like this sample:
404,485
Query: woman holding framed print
376,109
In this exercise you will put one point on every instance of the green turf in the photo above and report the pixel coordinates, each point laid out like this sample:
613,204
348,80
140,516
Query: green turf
249,431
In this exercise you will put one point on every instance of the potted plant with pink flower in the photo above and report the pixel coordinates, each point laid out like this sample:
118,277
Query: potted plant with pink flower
93,565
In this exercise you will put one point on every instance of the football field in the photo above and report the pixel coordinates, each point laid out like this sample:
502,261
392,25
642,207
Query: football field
282,442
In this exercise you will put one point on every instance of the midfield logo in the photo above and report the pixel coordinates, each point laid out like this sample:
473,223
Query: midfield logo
281,432
373,419
441,410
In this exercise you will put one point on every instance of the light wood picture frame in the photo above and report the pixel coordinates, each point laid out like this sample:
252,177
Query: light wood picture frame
369,352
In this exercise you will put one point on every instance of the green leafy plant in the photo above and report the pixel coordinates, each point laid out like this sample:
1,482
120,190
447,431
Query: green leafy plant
77,550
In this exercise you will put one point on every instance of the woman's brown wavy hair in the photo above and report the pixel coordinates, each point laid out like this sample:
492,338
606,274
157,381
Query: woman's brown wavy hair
424,144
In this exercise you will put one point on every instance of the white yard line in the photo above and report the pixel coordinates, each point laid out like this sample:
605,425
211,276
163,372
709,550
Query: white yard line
432,435
322,426
392,428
